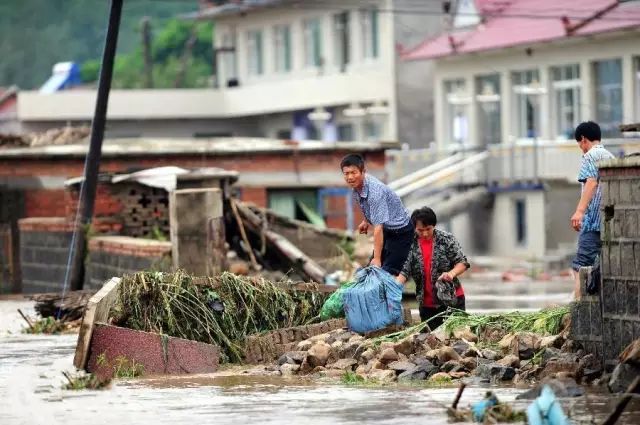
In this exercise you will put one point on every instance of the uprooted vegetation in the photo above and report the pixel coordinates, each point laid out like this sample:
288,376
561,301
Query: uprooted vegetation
222,310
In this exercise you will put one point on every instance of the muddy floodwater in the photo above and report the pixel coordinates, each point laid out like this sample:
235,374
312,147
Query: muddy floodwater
31,380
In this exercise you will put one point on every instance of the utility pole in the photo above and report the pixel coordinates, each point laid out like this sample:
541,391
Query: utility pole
145,23
87,199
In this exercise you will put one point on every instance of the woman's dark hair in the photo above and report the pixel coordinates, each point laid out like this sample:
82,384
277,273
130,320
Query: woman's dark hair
353,159
590,130
424,215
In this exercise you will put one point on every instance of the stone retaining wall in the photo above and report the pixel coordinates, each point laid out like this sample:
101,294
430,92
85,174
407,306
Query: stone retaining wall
110,256
265,348
44,253
606,323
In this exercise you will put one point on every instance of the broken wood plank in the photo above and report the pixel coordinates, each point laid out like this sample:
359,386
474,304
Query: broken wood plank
98,309
312,269
243,234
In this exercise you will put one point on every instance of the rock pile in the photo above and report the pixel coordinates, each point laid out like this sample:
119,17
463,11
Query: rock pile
495,357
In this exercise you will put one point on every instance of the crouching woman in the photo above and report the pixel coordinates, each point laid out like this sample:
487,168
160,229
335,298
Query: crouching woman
435,261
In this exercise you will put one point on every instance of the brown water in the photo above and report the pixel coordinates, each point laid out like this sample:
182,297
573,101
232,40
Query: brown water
31,380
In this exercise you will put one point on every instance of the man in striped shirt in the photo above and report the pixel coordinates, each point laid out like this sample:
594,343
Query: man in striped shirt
383,213
586,219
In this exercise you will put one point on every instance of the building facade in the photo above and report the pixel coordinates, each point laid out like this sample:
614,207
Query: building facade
317,70
513,80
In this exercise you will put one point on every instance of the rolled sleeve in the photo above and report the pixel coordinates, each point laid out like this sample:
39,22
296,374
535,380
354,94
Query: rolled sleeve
588,170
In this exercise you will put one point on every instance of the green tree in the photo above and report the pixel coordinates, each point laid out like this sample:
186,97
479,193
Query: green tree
169,47
36,34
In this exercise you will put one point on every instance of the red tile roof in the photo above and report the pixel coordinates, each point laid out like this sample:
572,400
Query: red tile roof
508,23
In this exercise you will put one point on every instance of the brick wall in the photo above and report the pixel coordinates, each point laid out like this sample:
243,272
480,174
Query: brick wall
44,253
45,202
112,256
616,310
268,347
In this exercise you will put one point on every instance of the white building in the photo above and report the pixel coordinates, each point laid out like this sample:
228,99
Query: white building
311,70
511,82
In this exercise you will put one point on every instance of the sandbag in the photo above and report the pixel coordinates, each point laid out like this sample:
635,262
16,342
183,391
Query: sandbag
333,307
374,301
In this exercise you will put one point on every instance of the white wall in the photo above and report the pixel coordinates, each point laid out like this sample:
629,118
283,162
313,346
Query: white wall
503,241
579,50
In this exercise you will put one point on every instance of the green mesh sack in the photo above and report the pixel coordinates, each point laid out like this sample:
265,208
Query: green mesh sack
333,307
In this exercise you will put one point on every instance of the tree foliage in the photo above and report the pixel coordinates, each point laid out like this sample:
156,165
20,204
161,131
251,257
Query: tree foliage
169,47
36,34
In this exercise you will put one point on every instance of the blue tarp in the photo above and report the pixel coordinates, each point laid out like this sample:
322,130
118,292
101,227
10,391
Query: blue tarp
374,301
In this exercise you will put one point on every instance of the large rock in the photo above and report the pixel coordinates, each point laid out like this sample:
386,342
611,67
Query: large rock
292,357
363,369
505,342
404,347
388,355
489,354
469,363
440,377
343,364
447,353
318,354
400,367
382,375
305,345
288,369
495,371
631,354
367,355
452,366
590,367
550,353
622,376
510,360
565,365
466,334
461,347
553,341
525,345
420,372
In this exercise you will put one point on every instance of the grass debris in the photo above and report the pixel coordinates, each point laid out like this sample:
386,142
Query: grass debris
45,325
222,310
84,381
544,322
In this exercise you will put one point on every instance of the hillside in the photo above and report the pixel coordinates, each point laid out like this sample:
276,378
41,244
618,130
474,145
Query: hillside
35,34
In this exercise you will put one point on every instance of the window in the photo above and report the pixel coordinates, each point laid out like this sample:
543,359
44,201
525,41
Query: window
488,101
255,60
284,134
282,48
527,91
521,221
341,30
636,80
608,89
373,129
456,111
566,85
313,43
370,37
228,59
345,132
294,204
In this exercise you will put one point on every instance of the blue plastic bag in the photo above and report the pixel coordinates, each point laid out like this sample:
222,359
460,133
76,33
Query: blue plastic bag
374,301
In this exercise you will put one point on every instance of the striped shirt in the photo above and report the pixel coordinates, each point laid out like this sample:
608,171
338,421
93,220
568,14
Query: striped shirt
381,205
589,169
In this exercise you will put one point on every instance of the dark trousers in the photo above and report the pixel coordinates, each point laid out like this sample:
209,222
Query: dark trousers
395,249
428,313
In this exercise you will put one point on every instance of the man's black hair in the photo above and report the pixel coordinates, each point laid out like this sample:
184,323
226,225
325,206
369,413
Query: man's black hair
424,215
353,159
590,130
